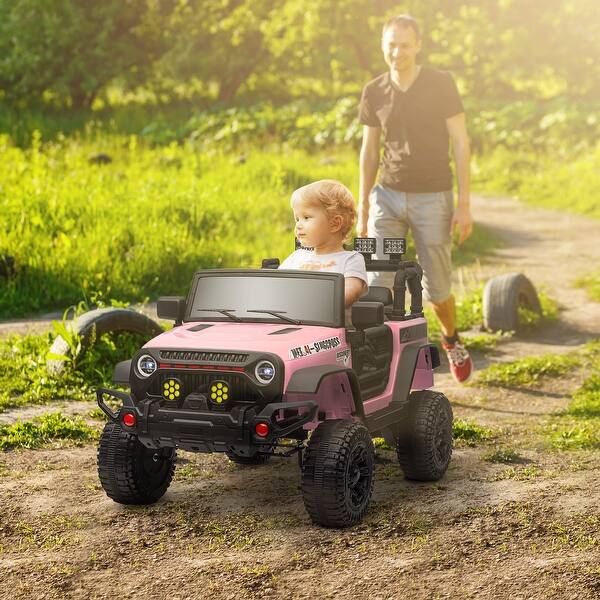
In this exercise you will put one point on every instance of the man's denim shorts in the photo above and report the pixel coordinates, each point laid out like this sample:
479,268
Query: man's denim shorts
429,216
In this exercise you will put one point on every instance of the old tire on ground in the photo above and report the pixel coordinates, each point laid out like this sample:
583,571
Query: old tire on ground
129,472
255,459
503,296
94,323
337,473
424,444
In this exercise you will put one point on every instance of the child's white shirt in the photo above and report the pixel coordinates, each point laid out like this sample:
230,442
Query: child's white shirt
348,262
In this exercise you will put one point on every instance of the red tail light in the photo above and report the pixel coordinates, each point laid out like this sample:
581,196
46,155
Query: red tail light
262,429
129,419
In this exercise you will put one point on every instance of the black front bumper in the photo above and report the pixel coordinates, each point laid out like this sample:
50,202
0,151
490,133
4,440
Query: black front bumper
158,426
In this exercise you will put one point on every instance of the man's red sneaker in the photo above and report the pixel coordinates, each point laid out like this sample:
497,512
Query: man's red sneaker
461,365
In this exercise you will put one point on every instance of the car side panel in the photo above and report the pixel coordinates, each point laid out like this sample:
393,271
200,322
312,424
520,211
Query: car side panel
334,398
412,332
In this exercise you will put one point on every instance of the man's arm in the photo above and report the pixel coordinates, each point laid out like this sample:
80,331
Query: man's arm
369,162
457,130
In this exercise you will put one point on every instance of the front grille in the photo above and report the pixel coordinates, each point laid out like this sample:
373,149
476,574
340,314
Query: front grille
193,382
227,357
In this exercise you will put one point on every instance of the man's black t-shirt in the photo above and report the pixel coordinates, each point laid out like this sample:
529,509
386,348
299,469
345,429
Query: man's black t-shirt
413,123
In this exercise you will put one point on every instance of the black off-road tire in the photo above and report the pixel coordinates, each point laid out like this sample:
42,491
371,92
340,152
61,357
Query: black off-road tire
337,473
502,297
424,444
129,472
256,459
95,323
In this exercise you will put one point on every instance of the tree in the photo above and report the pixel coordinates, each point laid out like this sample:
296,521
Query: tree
69,50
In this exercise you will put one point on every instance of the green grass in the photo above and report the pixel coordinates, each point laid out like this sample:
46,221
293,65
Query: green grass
25,380
502,455
469,433
569,182
571,434
527,371
591,284
578,426
483,342
51,427
141,225
468,314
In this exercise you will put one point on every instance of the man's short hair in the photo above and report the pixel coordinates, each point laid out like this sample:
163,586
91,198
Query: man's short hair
404,21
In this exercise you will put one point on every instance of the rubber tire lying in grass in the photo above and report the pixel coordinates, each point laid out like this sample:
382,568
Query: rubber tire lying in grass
424,444
95,323
256,459
129,472
503,296
337,473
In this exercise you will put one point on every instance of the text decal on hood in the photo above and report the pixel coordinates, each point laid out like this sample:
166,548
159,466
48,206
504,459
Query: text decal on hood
315,347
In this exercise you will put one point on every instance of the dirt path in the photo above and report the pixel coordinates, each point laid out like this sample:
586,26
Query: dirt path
486,531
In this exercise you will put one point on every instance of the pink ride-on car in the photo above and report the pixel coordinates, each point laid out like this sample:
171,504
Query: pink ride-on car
258,356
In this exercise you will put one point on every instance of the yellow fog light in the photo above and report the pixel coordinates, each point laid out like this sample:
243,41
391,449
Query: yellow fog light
172,389
219,392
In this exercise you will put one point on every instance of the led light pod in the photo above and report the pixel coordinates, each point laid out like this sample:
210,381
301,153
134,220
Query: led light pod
219,392
172,389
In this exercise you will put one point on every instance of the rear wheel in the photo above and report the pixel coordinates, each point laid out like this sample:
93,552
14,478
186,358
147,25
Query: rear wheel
337,473
129,472
424,444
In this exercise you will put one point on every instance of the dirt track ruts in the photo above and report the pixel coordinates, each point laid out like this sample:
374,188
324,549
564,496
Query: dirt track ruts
486,531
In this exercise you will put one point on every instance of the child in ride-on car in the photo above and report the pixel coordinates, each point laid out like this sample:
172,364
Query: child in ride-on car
325,214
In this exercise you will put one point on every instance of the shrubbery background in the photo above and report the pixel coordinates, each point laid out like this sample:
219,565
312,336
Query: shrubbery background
213,111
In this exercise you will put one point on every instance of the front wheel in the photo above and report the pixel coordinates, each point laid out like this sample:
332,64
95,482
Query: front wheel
424,444
129,472
337,473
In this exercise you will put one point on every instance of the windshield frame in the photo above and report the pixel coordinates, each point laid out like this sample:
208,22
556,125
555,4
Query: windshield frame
338,294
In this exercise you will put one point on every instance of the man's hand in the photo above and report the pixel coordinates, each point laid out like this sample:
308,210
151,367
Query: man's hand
361,223
464,221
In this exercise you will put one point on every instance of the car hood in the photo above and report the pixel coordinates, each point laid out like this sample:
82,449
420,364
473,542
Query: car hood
278,338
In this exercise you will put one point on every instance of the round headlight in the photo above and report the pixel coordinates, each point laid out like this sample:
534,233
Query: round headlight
146,365
265,371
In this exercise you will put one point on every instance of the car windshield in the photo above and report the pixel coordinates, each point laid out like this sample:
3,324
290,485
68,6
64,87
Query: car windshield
307,299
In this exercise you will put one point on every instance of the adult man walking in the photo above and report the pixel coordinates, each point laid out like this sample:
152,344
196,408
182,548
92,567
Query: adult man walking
417,110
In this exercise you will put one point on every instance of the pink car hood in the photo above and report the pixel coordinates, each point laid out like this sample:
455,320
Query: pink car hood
248,337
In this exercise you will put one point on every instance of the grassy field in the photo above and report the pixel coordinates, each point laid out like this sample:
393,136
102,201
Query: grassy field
139,226
142,224
565,182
